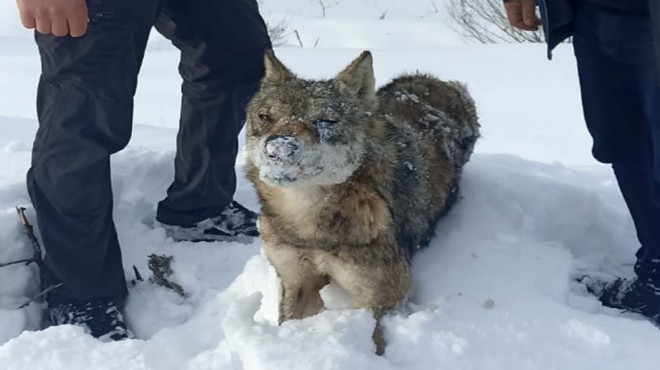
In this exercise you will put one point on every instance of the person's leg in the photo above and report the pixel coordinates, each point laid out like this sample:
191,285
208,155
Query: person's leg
85,107
615,58
222,47
648,265
614,52
637,185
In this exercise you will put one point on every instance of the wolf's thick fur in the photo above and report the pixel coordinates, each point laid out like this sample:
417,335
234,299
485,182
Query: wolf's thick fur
352,181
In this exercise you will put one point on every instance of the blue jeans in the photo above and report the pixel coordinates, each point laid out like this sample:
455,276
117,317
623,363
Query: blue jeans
621,101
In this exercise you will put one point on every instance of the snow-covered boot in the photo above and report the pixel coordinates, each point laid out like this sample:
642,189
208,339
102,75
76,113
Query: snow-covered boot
627,294
234,223
102,317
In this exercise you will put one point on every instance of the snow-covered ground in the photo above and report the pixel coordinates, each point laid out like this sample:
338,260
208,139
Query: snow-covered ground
493,291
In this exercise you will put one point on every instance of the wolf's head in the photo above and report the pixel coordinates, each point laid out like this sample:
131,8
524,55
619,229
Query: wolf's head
303,132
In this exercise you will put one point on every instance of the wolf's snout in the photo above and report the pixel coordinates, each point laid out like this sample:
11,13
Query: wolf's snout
280,147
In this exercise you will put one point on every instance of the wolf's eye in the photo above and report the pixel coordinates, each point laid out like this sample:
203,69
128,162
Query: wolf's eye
265,118
325,123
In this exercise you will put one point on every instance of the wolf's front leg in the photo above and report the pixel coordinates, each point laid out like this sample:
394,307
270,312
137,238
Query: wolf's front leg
300,282
377,277
300,299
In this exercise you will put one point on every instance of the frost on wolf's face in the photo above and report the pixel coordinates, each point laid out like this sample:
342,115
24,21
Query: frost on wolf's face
304,132
309,138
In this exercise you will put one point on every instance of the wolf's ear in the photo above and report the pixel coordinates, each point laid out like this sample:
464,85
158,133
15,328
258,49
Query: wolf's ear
275,70
359,76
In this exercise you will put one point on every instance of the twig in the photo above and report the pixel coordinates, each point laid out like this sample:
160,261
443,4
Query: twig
298,37
36,247
29,231
322,7
37,258
40,295
138,276
486,22
435,6
27,261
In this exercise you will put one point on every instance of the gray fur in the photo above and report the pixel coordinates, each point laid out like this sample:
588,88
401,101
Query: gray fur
351,180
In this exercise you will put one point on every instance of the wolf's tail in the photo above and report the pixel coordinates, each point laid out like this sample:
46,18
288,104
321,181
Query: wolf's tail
442,109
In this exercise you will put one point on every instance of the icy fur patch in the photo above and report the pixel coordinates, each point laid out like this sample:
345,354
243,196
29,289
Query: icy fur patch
317,164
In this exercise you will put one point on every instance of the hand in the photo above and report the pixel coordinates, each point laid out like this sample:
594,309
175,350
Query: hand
59,17
522,14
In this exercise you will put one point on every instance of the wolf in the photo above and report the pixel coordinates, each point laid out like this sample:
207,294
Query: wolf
351,180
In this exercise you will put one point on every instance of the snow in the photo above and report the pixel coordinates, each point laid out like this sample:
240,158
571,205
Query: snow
494,289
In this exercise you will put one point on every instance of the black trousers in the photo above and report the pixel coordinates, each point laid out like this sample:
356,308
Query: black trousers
85,110
621,99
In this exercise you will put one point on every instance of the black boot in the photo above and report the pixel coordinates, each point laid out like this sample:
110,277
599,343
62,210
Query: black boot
234,223
630,295
102,317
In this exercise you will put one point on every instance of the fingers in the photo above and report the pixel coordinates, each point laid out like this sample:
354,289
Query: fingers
28,20
59,27
59,17
78,24
522,14
43,25
513,13
529,13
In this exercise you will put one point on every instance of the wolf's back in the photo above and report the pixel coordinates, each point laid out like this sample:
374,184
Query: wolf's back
441,111
433,126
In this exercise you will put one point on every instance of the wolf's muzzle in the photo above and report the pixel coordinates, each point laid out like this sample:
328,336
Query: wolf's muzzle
280,147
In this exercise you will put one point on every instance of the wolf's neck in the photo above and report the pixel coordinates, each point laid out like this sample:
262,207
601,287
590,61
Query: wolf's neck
303,196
